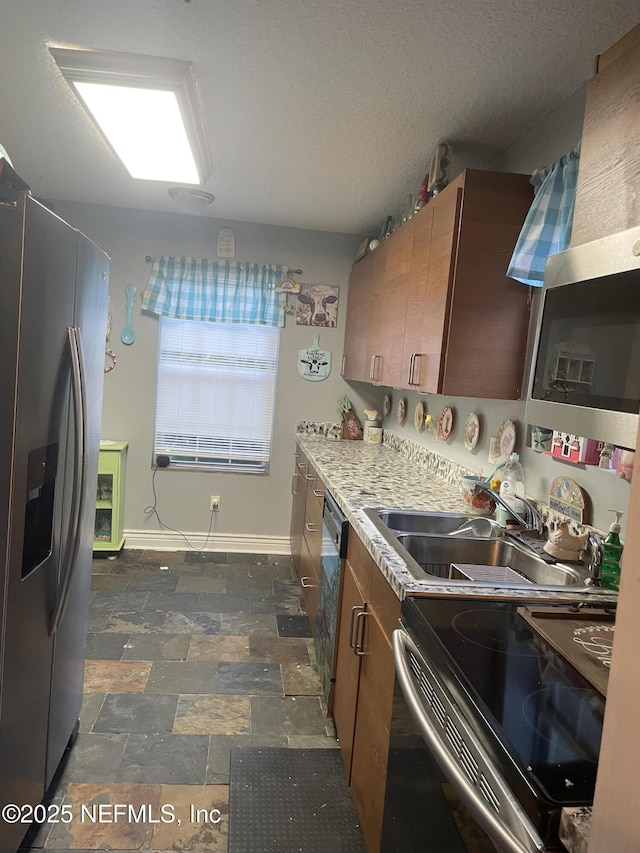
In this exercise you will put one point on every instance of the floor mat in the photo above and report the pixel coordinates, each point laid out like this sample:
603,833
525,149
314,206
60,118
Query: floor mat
290,800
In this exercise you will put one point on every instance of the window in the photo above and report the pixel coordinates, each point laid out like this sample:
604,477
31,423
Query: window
215,395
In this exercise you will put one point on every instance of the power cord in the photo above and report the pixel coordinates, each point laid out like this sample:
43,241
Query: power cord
152,510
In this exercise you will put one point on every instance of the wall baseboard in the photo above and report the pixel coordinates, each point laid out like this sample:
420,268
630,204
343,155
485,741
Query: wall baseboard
161,540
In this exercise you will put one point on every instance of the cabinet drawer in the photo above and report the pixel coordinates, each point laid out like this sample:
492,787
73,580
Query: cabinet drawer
315,490
309,582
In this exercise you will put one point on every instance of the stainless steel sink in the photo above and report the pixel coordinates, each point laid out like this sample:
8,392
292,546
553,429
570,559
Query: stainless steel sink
456,549
438,523
493,561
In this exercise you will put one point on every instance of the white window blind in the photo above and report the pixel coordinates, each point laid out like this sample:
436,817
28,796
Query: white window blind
216,393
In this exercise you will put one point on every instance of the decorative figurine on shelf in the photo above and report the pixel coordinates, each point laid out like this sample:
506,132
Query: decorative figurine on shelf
606,455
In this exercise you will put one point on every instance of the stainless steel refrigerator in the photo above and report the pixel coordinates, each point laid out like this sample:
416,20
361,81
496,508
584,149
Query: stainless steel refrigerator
53,284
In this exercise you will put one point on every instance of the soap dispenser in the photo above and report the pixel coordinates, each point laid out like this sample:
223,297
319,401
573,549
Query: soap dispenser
611,554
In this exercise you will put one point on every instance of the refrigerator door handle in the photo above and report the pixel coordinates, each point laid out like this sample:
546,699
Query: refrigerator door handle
72,546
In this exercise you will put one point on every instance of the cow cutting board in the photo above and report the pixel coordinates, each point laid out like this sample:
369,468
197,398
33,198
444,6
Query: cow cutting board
585,640
314,363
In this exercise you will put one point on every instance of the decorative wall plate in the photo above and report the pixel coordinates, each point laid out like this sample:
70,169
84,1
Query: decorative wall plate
418,416
445,423
471,430
386,405
401,410
506,439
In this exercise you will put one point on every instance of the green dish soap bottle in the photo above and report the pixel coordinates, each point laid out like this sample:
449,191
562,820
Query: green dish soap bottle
612,552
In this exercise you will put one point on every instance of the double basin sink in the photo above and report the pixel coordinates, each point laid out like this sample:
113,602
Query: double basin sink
456,549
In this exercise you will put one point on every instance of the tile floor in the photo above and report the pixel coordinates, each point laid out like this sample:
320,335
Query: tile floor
189,654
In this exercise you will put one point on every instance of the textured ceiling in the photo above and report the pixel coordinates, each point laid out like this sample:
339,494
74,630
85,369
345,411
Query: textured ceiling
319,114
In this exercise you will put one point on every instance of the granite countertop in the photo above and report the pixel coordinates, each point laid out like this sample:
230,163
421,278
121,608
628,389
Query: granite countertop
360,475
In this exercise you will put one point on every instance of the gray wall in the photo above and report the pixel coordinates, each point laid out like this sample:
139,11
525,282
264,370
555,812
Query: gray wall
251,504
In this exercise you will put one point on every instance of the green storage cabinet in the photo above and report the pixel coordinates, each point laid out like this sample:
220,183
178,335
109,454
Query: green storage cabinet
109,526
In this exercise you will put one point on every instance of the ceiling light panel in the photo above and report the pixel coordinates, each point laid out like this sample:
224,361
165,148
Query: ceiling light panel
146,107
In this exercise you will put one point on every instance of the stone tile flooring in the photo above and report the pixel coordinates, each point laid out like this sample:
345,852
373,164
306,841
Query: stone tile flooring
189,654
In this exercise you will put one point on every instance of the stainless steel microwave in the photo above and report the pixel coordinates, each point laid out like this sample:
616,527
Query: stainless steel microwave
585,376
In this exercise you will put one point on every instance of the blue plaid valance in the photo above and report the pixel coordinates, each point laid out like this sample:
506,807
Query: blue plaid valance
219,291
547,228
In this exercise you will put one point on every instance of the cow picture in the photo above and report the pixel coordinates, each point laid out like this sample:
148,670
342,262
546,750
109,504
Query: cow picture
317,305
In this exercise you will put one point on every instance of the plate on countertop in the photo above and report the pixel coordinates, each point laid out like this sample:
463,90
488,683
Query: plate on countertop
418,416
445,423
471,430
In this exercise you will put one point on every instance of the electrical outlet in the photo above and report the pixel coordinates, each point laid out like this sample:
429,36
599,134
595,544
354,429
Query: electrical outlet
214,503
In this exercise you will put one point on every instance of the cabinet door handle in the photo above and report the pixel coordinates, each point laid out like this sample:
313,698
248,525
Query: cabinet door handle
306,585
311,527
410,376
343,362
372,369
416,356
355,610
293,480
301,465
309,477
318,493
358,646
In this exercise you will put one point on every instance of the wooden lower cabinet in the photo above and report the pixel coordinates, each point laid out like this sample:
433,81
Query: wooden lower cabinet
299,492
306,529
371,736
347,667
364,686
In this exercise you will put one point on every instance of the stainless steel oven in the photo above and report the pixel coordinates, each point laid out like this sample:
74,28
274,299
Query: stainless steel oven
493,731
586,372
334,551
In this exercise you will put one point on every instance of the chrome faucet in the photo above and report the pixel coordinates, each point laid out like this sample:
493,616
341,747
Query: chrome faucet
596,549
533,519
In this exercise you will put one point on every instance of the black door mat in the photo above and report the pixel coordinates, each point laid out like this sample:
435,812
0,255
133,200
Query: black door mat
293,626
290,800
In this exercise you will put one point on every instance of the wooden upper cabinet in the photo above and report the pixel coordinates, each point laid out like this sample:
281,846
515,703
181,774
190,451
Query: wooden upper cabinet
354,358
443,317
428,359
487,320
388,313
607,197
416,294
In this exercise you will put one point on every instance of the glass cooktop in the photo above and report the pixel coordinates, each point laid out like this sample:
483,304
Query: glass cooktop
536,714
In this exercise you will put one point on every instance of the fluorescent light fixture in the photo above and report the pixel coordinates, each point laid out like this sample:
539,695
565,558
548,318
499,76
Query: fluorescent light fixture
146,107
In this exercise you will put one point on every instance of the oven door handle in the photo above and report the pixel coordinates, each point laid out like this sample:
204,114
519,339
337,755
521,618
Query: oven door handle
487,817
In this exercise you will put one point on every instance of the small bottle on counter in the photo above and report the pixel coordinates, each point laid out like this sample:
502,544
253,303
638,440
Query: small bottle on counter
612,553
511,490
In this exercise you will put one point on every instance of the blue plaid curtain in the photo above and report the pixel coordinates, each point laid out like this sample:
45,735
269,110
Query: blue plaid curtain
222,292
547,228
